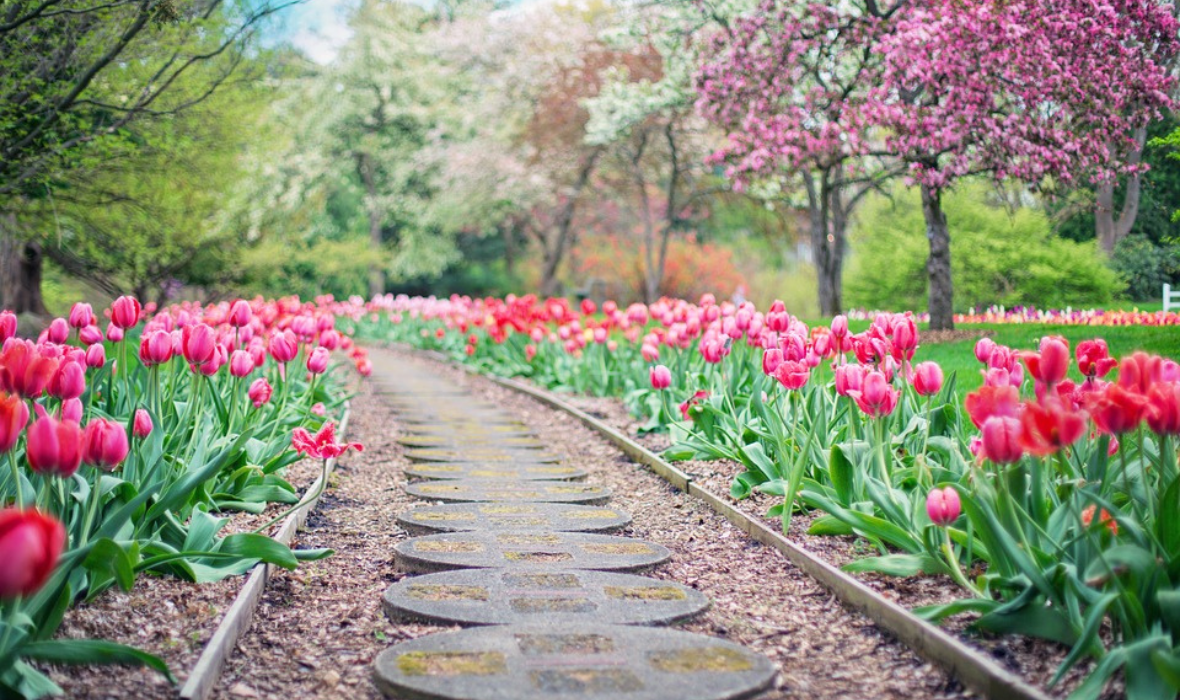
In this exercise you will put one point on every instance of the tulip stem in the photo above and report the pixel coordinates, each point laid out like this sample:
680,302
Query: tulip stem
323,483
91,506
20,496
10,625
948,549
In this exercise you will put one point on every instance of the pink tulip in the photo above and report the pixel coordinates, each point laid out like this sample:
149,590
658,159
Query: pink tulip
771,359
68,382
330,339
54,447
30,544
26,369
90,335
661,377
317,361
58,331
983,349
259,392
71,410
142,427
81,315
319,409
155,348
240,363
200,343
114,333
239,313
125,312
1001,439
905,338
283,347
104,444
8,325
943,506
792,375
877,397
840,327
649,352
927,378
213,366
96,356
849,378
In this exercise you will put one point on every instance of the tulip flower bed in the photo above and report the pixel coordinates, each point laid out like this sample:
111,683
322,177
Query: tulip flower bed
1054,317
125,447
1050,496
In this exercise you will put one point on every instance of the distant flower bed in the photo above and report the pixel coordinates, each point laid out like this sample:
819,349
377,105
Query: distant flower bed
1060,317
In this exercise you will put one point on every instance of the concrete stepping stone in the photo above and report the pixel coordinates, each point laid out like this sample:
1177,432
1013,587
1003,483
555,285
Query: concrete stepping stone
487,432
453,441
499,422
484,517
504,471
524,550
589,662
479,454
484,490
507,596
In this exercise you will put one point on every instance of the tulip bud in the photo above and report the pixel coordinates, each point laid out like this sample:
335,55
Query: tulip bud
840,326
317,361
792,375
58,331
68,382
81,315
771,359
114,333
143,424
330,339
213,366
364,367
241,363
983,349
1001,439
318,409
661,377
54,447
927,378
8,324
199,342
943,506
125,312
239,313
259,392
71,410
14,416
90,335
283,347
104,444
30,544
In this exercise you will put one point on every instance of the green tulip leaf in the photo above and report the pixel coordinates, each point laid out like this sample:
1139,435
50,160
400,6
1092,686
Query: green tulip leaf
93,651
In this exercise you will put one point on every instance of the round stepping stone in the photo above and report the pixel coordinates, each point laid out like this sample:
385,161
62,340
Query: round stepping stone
484,490
498,423
448,431
483,517
504,471
456,440
507,596
590,662
527,551
478,454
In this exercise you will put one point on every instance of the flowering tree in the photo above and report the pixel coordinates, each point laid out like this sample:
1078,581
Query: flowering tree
1024,89
791,84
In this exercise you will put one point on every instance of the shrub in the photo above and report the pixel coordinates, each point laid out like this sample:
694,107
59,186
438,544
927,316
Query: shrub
691,270
999,255
1145,266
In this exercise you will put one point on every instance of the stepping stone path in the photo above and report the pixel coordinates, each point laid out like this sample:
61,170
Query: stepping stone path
520,550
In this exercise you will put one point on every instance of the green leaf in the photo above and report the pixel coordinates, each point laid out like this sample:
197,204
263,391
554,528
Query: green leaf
934,613
899,565
827,525
842,472
107,557
1036,620
93,651
250,545
313,554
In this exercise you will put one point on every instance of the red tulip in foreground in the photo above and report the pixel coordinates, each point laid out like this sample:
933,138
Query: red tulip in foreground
54,447
323,444
943,506
30,543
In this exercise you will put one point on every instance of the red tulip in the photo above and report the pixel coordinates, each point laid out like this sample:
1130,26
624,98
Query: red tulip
1001,439
8,325
927,378
1104,518
317,361
1163,409
81,315
259,392
876,397
792,375
905,338
1049,425
943,506
1051,364
25,370
1094,358
30,544
1140,371
14,416
323,444
661,377
991,401
142,427
125,313
104,444
1116,410
364,367
54,447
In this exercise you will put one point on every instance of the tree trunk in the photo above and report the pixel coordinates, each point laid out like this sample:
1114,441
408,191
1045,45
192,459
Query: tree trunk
1108,228
364,164
938,265
20,270
553,250
827,242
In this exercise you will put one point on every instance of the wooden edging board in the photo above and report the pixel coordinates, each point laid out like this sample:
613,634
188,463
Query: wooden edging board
233,625
972,668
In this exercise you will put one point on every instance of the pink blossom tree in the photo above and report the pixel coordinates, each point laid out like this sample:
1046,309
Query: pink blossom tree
1012,89
1018,89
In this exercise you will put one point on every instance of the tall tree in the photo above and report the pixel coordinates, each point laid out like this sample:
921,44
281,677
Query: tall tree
58,61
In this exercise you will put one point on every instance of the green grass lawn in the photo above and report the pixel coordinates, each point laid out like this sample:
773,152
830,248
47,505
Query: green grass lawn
959,357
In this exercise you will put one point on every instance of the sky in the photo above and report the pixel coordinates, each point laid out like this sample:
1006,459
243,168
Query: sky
316,27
